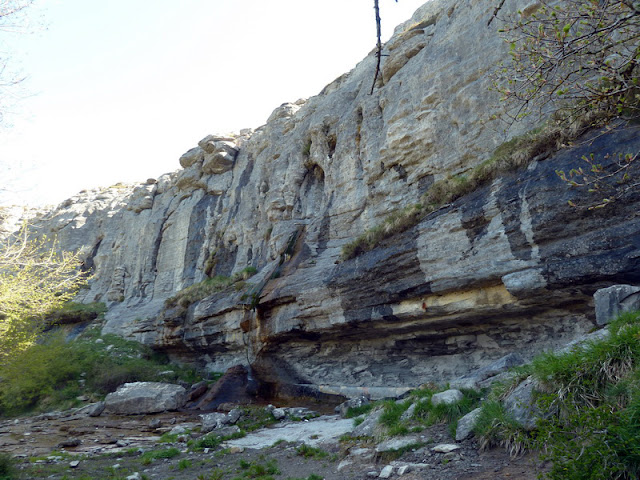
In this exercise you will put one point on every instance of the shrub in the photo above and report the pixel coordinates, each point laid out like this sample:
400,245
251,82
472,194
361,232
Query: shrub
8,470
245,273
307,451
494,427
198,291
390,418
151,455
72,312
428,414
48,374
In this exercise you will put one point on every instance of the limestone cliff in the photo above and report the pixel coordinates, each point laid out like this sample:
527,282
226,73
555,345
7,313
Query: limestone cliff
508,267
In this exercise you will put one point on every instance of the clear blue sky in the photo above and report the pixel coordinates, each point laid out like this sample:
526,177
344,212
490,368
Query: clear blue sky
117,90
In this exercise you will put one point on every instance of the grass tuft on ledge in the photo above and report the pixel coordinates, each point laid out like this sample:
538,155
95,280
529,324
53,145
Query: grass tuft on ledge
512,155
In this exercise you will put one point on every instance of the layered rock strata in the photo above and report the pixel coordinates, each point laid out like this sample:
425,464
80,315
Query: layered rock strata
510,267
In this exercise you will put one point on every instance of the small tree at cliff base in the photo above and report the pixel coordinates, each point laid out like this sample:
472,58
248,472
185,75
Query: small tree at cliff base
577,61
34,280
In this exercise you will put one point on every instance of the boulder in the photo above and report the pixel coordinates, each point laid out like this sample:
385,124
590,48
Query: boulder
194,155
398,443
356,402
370,426
447,397
521,406
478,378
210,143
197,390
145,397
465,425
95,409
445,448
217,163
211,421
612,301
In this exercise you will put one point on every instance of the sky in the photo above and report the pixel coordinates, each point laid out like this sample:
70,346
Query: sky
117,90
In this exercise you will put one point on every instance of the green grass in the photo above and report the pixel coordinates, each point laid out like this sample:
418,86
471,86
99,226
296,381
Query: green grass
353,412
72,312
590,397
213,440
594,396
51,374
425,413
428,414
201,290
245,273
512,155
263,470
148,457
8,469
254,418
390,418
198,291
307,451
495,427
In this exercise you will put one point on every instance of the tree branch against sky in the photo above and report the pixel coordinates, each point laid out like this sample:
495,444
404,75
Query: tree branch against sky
577,62
573,57
13,20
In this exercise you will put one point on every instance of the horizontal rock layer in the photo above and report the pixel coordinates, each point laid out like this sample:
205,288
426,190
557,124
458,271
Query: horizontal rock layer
510,267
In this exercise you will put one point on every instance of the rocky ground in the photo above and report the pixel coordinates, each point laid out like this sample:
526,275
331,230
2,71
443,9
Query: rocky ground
75,446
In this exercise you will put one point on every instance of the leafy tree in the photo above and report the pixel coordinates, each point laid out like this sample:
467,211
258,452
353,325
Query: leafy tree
578,61
573,57
34,280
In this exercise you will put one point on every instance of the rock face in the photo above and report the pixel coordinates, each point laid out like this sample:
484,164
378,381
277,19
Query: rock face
614,300
145,397
510,267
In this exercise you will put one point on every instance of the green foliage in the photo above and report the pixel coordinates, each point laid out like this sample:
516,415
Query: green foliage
396,222
49,374
72,312
390,418
579,60
307,451
594,395
214,440
514,154
575,57
35,280
258,471
353,412
198,291
591,399
254,418
148,457
245,273
8,470
306,149
494,427
215,474
184,464
428,414
425,413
